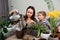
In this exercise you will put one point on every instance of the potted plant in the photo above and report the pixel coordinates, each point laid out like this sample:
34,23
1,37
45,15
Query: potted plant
53,15
54,33
37,30
45,32
41,35
2,36
3,24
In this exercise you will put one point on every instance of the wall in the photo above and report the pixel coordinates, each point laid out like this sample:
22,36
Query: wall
21,5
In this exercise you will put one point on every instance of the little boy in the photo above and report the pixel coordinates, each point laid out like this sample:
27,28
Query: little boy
42,19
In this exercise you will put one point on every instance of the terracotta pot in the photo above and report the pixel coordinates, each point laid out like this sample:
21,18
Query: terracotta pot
59,35
59,32
19,34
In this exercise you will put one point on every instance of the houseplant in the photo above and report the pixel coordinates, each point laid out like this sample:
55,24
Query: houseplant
53,15
3,24
45,33
1,36
2,29
37,30
41,31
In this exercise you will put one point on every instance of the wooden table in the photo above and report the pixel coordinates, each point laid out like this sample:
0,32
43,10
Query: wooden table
13,37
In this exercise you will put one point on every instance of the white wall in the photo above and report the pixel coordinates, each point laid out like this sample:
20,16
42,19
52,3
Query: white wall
56,4
21,5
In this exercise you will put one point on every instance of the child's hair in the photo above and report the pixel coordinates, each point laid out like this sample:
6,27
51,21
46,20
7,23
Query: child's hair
43,13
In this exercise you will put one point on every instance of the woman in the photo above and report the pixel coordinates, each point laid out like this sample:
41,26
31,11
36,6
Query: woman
29,19
30,15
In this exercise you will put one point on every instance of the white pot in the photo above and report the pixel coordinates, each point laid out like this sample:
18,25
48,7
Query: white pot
54,38
37,38
45,36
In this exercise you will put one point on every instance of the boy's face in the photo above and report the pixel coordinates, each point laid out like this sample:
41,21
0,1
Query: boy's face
40,16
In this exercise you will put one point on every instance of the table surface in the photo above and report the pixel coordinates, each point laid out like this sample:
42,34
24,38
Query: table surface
13,37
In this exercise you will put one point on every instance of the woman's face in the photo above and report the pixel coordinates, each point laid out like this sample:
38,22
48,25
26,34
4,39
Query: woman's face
29,13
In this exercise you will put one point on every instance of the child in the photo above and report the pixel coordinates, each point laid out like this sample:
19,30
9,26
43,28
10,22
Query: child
41,18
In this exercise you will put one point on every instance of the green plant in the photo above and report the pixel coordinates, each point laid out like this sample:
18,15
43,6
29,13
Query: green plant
38,30
2,36
2,26
54,32
53,21
53,15
44,29
39,27
3,29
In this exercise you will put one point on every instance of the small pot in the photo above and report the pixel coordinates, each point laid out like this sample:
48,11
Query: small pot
45,36
51,38
58,35
19,34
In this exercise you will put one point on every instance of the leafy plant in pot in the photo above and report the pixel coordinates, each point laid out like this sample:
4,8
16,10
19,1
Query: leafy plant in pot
2,26
54,33
1,36
53,15
45,32
39,27
38,31
3,29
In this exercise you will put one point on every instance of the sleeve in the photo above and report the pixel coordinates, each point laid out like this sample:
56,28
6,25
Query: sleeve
46,22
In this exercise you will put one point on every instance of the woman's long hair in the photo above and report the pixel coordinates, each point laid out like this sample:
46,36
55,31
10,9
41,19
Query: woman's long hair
33,16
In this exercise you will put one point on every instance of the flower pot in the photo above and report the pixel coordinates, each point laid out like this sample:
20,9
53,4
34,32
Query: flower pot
19,34
58,35
45,36
54,38
51,38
